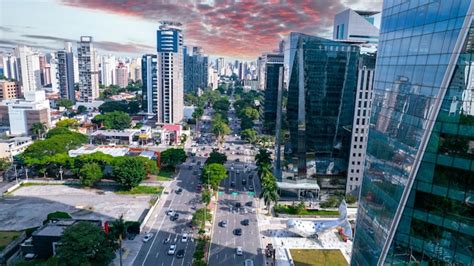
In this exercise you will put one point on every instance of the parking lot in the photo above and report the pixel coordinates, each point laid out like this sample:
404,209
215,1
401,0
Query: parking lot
28,206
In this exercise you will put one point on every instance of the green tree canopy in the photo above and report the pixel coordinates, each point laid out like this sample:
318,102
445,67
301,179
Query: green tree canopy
246,123
249,112
129,171
201,216
66,103
4,164
172,157
150,165
213,174
249,135
216,157
90,174
116,120
38,129
68,123
85,243
263,157
81,109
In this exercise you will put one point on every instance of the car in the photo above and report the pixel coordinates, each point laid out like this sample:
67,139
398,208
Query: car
179,190
195,172
238,251
251,188
238,205
184,238
248,204
170,212
172,250
232,184
223,223
245,222
190,167
180,254
166,240
238,231
244,182
198,163
237,160
175,217
147,237
237,172
248,262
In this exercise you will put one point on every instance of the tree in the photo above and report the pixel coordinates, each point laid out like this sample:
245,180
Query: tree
113,106
66,103
81,109
263,157
150,165
117,120
118,231
206,196
219,128
85,243
246,123
129,171
201,216
216,157
250,113
249,135
172,157
197,114
4,164
213,174
269,187
38,129
90,174
183,138
68,123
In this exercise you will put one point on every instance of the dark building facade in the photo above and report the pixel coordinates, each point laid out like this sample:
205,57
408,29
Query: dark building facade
66,75
321,90
150,85
272,64
417,196
195,70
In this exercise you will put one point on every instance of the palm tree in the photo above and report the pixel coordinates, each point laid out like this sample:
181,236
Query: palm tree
38,129
263,157
269,187
119,231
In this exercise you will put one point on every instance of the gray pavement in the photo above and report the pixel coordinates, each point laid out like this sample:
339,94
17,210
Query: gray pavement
155,251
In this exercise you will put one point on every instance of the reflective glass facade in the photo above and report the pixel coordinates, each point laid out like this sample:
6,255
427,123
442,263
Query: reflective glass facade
416,201
321,92
270,100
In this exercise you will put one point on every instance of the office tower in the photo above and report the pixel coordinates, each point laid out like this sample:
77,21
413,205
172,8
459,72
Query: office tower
133,69
10,66
150,84
108,73
23,113
122,75
65,70
360,125
170,73
88,70
272,64
9,90
321,88
195,70
30,74
416,201
358,26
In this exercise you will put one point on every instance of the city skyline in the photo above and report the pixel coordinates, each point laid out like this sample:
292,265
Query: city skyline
233,30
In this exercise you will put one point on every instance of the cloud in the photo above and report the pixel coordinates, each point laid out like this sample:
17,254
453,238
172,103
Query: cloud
244,28
5,29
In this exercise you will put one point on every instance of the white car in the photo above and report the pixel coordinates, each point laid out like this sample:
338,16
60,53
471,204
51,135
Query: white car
248,262
147,237
184,238
170,212
172,250
238,251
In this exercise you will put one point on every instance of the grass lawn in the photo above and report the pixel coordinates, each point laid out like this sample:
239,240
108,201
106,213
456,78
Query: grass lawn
164,175
142,190
292,210
6,237
318,257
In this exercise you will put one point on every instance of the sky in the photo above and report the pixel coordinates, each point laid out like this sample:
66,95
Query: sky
241,29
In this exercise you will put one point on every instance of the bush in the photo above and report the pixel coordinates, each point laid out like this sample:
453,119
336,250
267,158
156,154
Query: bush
90,174
55,216
132,227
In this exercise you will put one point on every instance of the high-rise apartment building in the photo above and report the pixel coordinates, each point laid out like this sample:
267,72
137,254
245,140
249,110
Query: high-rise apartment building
9,90
416,201
10,66
272,64
195,70
170,73
322,83
213,78
108,73
65,70
122,75
221,67
150,84
30,73
88,70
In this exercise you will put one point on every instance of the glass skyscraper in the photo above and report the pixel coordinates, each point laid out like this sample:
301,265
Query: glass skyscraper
321,91
416,202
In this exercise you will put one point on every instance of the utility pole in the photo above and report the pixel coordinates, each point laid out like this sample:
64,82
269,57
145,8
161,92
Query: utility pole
61,172
16,174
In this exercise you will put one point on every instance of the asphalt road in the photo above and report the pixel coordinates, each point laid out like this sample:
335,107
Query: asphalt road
155,252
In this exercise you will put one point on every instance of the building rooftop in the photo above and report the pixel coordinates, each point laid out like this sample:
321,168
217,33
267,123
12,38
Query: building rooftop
115,133
89,149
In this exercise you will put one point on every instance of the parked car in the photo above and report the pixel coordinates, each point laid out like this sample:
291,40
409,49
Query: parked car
248,262
249,203
147,237
172,250
238,205
180,254
223,223
170,212
238,231
166,240
175,217
245,222
179,190
251,188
